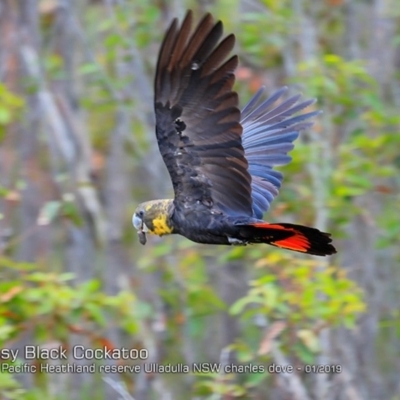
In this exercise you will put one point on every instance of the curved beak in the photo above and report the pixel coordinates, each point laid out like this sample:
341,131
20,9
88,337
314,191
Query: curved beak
142,237
138,224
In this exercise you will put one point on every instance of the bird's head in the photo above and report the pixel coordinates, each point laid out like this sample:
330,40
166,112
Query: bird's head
153,217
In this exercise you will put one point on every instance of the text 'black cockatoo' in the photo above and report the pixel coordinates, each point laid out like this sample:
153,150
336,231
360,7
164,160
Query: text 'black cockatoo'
219,158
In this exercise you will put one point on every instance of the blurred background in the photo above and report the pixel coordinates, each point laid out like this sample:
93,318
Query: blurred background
78,153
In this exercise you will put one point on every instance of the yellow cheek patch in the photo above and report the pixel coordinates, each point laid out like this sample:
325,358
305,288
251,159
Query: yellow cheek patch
160,226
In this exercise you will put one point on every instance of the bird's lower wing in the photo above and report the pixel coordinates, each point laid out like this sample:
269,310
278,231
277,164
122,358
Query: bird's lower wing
269,129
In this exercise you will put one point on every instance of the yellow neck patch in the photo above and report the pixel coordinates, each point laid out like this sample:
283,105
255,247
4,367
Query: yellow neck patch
156,217
160,226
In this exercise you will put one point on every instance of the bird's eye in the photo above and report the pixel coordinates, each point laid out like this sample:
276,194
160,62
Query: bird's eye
140,214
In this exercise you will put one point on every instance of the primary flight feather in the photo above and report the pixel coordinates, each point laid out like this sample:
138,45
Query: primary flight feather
219,158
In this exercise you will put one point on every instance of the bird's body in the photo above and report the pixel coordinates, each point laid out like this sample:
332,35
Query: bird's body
220,159
197,223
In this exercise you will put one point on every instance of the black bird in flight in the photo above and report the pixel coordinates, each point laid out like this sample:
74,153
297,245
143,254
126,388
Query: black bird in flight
219,158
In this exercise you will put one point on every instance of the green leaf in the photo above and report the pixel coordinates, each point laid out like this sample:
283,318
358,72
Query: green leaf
49,212
96,313
89,68
240,305
5,116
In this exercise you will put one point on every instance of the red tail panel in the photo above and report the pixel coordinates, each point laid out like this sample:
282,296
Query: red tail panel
293,237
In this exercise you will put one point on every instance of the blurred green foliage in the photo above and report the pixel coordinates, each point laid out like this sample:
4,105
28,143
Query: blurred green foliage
10,107
46,307
305,295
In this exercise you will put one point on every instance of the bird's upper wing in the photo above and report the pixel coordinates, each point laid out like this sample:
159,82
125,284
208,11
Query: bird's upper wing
268,134
197,120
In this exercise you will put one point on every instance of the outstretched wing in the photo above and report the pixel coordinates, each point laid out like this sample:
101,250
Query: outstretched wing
268,135
197,120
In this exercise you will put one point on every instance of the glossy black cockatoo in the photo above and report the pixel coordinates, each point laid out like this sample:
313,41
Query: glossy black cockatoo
219,158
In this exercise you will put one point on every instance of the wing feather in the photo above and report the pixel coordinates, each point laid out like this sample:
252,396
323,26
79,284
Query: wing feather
199,127
268,135
197,120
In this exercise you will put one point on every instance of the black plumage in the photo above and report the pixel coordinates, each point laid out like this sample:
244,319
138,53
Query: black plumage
219,159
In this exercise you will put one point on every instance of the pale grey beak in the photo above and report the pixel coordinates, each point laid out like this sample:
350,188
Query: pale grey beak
142,237
138,224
